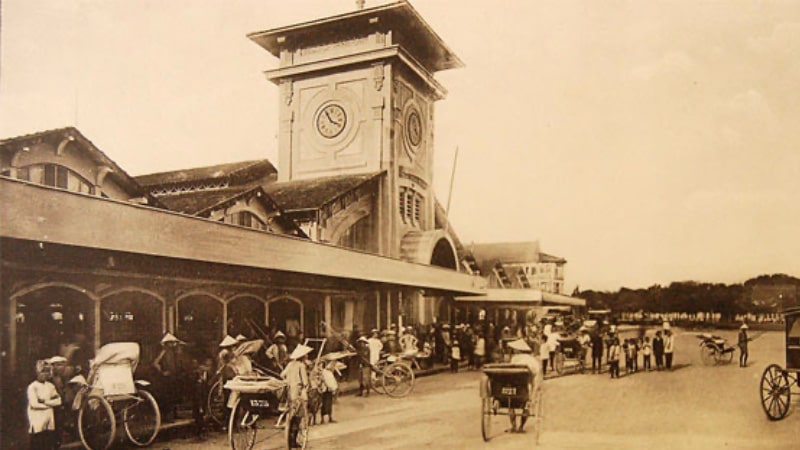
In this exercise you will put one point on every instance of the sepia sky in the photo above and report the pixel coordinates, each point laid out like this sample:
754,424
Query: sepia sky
644,141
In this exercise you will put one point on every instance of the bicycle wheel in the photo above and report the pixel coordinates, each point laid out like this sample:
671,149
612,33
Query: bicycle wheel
142,419
96,423
709,355
216,403
242,428
297,419
486,419
398,380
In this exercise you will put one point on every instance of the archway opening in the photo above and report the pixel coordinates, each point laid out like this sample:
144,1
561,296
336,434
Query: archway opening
246,317
444,255
285,314
133,316
200,324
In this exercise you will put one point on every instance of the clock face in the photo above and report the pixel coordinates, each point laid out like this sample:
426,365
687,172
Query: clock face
414,128
331,120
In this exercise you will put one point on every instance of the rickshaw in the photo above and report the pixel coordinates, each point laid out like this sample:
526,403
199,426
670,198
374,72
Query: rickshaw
505,390
570,350
777,382
215,401
715,349
111,394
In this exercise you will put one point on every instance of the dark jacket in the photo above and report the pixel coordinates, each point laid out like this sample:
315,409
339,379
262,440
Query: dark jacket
658,345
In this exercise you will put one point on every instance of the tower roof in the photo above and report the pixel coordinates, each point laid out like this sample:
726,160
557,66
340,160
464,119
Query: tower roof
408,29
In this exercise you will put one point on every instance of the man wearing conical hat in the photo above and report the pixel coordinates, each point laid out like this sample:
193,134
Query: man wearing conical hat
296,376
278,353
742,343
523,354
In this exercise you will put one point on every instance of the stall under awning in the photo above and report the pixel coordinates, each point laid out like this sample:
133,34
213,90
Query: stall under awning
521,297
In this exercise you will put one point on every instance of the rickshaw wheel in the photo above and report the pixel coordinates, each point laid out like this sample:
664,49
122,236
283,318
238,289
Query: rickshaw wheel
559,363
142,420
708,355
96,423
775,392
304,424
398,380
242,428
216,403
486,418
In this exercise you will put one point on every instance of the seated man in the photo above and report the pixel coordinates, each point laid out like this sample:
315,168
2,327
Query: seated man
523,354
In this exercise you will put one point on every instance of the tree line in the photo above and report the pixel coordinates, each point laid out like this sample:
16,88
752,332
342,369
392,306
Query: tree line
762,294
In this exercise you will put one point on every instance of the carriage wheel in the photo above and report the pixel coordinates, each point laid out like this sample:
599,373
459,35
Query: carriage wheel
300,419
216,403
486,418
727,357
96,423
775,392
559,363
398,380
142,419
242,428
708,355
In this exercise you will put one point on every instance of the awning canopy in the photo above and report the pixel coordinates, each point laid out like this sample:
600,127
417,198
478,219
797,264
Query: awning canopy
44,214
522,297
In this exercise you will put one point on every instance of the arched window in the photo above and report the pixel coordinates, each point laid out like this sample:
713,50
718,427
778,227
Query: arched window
56,176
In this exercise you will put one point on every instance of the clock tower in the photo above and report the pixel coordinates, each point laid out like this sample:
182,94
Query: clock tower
357,95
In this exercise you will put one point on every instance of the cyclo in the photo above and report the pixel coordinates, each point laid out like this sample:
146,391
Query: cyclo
777,382
111,394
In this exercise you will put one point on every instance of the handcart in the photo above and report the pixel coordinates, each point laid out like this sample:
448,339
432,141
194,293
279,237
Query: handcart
777,382
715,349
252,401
110,395
510,390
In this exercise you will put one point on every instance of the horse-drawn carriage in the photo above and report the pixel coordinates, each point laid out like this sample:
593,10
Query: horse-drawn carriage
776,381
111,395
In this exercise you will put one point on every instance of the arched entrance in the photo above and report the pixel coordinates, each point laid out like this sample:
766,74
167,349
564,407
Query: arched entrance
47,317
285,313
443,255
200,317
133,315
247,315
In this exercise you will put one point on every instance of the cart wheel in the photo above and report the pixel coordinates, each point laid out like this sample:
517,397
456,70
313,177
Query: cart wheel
486,418
708,355
96,423
242,428
297,419
398,380
142,419
775,392
216,403
727,357
559,363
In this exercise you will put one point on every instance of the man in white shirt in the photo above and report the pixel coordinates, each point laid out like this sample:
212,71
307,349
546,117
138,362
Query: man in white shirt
375,347
523,354
669,347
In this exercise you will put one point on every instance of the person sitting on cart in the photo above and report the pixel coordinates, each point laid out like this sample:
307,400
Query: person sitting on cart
296,376
523,355
277,353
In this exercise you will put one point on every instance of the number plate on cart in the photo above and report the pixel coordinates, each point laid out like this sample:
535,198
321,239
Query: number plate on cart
509,391
259,403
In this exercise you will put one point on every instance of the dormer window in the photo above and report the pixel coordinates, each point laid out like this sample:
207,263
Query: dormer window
248,220
56,176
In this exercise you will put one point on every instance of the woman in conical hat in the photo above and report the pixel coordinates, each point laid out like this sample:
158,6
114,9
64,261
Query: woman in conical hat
296,376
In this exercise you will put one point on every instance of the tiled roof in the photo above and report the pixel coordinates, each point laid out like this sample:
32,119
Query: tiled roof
314,193
238,173
544,257
198,201
129,183
506,252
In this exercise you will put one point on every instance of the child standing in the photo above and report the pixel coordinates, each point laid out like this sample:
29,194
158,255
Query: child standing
646,350
202,375
42,398
613,358
330,386
455,356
